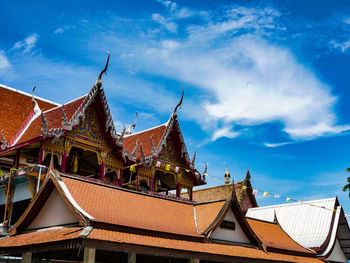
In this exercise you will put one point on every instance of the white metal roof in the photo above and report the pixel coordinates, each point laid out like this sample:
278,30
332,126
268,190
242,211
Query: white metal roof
306,224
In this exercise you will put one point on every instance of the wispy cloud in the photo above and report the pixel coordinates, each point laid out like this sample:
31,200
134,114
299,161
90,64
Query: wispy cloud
273,145
27,44
225,132
169,25
61,30
4,62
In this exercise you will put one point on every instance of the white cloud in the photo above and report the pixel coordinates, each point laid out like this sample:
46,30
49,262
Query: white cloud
168,4
27,44
344,46
169,25
4,62
225,132
273,145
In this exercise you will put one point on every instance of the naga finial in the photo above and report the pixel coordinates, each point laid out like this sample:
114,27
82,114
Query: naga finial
99,80
121,136
132,126
64,117
3,141
134,152
36,106
44,124
205,169
142,153
180,102
152,144
194,158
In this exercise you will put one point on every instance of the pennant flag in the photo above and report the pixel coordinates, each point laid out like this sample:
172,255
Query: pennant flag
287,199
311,205
334,210
347,215
133,168
266,193
177,169
244,187
167,167
277,196
187,170
255,192
158,164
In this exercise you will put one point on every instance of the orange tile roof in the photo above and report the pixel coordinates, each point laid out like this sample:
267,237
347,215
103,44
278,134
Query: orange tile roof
53,119
41,236
15,108
132,209
144,137
192,246
205,248
272,235
207,213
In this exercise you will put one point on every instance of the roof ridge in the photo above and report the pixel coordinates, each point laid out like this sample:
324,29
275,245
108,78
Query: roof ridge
27,94
124,189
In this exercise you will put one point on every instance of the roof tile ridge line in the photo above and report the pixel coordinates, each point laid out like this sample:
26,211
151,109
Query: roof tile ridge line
149,129
65,104
195,219
27,125
333,235
186,202
210,202
70,197
211,187
278,223
29,95
291,204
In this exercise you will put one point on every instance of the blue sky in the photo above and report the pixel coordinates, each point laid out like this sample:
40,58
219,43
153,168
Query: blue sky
266,83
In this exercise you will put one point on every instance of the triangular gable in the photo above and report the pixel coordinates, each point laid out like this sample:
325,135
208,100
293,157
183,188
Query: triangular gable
232,226
52,192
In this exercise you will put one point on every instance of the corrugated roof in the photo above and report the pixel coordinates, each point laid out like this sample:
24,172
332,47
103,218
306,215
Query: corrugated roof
306,224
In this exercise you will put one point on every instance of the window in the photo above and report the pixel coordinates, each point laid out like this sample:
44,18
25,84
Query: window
228,225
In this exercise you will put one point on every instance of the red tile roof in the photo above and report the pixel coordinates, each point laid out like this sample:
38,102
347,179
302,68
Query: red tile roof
43,236
182,246
15,108
272,235
144,137
53,119
192,246
131,209
207,213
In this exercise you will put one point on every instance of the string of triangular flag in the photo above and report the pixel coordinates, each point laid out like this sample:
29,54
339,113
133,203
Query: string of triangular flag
288,199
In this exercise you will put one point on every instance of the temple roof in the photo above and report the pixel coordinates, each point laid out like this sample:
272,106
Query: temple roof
123,217
15,108
273,236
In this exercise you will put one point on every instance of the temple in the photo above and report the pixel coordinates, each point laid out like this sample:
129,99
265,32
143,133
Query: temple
81,138
74,189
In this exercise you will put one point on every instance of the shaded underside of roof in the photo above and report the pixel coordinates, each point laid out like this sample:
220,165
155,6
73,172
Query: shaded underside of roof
133,209
309,225
53,119
15,108
272,235
144,137
120,240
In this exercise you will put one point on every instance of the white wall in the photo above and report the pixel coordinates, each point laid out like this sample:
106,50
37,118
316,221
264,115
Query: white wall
53,213
236,235
337,254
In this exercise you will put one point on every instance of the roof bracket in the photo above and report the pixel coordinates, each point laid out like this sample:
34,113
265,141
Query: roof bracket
3,141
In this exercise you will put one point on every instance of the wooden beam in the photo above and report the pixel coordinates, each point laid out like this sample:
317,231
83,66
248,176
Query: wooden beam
89,255
194,260
27,257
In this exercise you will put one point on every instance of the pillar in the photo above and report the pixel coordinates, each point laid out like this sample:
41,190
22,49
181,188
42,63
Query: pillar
63,163
41,156
151,184
131,257
194,260
18,155
190,193
89,255
26,257
102,171
178,189
121,176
